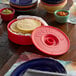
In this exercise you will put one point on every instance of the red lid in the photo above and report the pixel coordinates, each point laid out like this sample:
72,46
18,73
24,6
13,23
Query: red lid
50,40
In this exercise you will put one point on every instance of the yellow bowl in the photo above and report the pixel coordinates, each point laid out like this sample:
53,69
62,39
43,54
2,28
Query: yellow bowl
53,7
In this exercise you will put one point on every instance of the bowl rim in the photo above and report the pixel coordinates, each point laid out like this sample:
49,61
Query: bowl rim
13,11
52,1
18,6
23,4
55,13
44,3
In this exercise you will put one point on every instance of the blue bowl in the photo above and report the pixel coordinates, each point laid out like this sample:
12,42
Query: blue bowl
53,1
43,64
23,2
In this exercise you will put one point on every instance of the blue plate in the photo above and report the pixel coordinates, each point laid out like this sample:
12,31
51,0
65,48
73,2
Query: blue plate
23,2
43,64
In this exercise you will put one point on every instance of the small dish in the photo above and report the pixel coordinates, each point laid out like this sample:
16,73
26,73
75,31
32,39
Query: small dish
7,14
50,65
61,16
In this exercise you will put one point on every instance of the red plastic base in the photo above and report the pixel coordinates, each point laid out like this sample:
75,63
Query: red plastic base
19,39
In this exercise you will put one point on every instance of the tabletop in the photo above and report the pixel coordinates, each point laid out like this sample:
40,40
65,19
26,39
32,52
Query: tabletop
9,52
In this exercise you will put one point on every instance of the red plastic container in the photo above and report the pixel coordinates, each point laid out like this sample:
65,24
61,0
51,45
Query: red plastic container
19,39
47,39
7,17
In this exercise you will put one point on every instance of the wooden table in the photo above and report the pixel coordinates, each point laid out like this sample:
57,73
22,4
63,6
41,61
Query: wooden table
9,52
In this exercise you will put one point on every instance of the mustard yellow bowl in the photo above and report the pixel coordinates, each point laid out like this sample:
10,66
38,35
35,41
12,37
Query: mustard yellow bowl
53,7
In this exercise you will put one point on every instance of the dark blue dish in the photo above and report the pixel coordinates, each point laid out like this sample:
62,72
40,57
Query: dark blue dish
43,64
23,2
53,1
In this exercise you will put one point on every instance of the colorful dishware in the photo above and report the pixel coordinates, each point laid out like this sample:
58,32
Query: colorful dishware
51,7
50,65
23,6
7,17
63,18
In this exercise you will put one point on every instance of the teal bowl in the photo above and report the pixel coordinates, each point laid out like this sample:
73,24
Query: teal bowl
61,19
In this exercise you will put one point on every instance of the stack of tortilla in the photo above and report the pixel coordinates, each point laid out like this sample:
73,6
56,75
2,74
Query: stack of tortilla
25,26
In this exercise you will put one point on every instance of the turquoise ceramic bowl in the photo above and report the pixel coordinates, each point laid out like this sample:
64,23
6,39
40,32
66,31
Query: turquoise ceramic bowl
61,19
